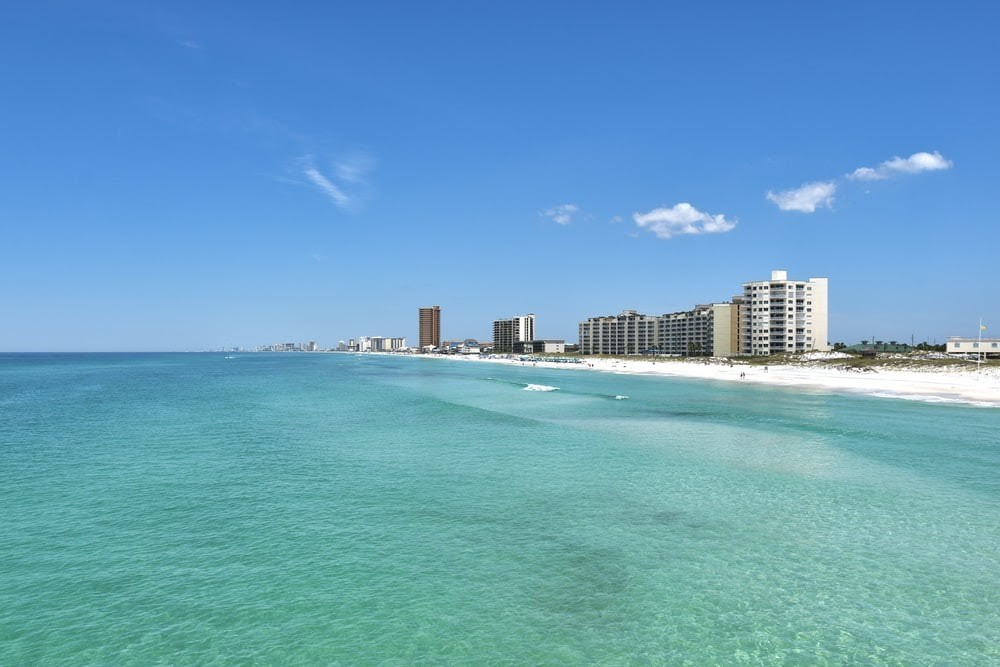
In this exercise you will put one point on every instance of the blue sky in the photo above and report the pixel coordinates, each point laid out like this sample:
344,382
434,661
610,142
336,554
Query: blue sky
194,175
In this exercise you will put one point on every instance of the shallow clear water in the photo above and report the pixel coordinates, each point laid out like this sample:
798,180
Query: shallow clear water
306,508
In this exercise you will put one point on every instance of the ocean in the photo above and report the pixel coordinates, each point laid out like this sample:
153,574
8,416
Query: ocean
216,509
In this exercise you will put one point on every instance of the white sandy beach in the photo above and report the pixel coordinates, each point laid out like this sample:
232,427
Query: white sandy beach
954,384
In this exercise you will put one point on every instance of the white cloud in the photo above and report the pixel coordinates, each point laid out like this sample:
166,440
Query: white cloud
338,196
561,215
682,219
914,164
806,198
864,174
348,185
819,194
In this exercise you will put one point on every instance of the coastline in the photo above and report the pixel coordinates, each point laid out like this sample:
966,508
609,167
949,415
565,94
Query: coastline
950,384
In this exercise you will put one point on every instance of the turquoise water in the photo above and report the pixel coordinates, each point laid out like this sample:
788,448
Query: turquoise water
339,509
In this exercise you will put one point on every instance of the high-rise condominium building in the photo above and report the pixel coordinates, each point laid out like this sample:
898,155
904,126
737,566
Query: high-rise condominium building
430,327
706,330
628,333
781,315
381,344
520,329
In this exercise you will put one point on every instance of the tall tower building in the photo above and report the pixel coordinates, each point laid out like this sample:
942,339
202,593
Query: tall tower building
520,329
781,315
430,327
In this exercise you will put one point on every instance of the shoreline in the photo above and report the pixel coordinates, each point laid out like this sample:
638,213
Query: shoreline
929,385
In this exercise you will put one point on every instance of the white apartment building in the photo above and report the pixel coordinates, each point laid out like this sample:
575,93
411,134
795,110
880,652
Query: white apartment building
519,329
380,344
781,315
540,347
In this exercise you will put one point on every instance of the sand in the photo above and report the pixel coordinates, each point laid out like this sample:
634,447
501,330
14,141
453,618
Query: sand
952,384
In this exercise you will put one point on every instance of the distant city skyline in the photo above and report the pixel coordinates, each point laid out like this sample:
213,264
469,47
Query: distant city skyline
181,177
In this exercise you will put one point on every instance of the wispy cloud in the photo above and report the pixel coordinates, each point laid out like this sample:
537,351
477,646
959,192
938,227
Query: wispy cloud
327,186
346,183
561,215
355,168
914,164
682,218
805,198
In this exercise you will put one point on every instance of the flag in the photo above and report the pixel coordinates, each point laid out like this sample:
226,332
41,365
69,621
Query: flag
982,327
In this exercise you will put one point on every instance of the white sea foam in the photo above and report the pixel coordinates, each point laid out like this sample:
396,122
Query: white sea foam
927,398
540,387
